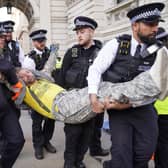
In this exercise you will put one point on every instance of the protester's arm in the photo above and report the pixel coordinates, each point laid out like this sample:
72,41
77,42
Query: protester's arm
21,55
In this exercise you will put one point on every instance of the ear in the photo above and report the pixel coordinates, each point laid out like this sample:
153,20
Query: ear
135,26
91,31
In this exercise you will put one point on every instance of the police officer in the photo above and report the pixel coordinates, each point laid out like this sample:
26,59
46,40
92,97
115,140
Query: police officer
133,130
36,60
14,49
161,153
73,75
9,124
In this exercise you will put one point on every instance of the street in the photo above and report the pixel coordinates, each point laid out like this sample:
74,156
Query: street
27,159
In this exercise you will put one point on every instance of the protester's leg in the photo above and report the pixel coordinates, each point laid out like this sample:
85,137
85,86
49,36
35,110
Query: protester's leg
161,154
13,136
121,136
159,70
145,135
72,135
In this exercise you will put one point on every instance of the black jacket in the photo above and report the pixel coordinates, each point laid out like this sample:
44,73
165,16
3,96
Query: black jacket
75,65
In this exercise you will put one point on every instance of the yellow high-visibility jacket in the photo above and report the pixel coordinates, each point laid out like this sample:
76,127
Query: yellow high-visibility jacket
162,106
40,96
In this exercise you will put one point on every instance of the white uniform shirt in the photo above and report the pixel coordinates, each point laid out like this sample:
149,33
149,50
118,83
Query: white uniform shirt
105,58
21,53
29,62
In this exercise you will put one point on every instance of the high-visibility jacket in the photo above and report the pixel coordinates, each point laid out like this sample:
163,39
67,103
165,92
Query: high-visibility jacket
162,107
40,97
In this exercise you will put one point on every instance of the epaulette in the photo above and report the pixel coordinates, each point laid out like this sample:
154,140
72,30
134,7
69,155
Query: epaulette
124,44
32,53
75,50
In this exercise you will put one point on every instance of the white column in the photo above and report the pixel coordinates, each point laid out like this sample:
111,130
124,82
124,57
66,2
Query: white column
45,18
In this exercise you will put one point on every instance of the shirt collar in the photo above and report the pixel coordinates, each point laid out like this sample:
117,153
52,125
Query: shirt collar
38,51
134,44
93,43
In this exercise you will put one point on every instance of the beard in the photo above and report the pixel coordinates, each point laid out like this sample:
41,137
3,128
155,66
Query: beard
147,39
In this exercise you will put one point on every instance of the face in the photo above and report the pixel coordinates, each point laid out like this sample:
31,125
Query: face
84,36
145,32
8,36
2,41
40,45
27,76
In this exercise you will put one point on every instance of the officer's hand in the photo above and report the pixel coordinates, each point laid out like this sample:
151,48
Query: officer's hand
17,88
96,105
112,104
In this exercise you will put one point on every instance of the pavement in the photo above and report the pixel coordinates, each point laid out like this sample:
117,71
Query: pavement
27,159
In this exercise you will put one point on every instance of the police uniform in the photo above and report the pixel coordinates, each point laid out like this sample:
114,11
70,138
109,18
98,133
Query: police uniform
134,130
14,50
73,75
11,132
161,153
41,132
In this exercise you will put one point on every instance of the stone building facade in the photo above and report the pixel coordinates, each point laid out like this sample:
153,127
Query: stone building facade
57,17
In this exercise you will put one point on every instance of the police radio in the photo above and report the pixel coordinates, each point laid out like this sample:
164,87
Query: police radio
151,49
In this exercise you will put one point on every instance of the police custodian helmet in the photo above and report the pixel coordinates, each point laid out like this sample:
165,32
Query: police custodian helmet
8,25
84,22
2,30
38,35
147,13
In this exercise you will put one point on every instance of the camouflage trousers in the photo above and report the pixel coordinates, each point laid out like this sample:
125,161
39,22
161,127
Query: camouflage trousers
74,106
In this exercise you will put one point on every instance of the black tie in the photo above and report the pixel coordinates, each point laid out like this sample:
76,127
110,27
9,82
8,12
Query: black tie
138,51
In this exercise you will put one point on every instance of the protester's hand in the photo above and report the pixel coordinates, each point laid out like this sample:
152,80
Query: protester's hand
17,88
96,105
112,104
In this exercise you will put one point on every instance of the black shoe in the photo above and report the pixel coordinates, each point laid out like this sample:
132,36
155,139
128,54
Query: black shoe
39,153
50,148
80,165
69,165
102,152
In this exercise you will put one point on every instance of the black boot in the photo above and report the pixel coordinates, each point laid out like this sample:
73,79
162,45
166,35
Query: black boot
50,148
80,165
39,153
69,165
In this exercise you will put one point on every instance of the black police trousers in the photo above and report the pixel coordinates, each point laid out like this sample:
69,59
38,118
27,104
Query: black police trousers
95,141
134,137
42,129
161,155
77,140
11,132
